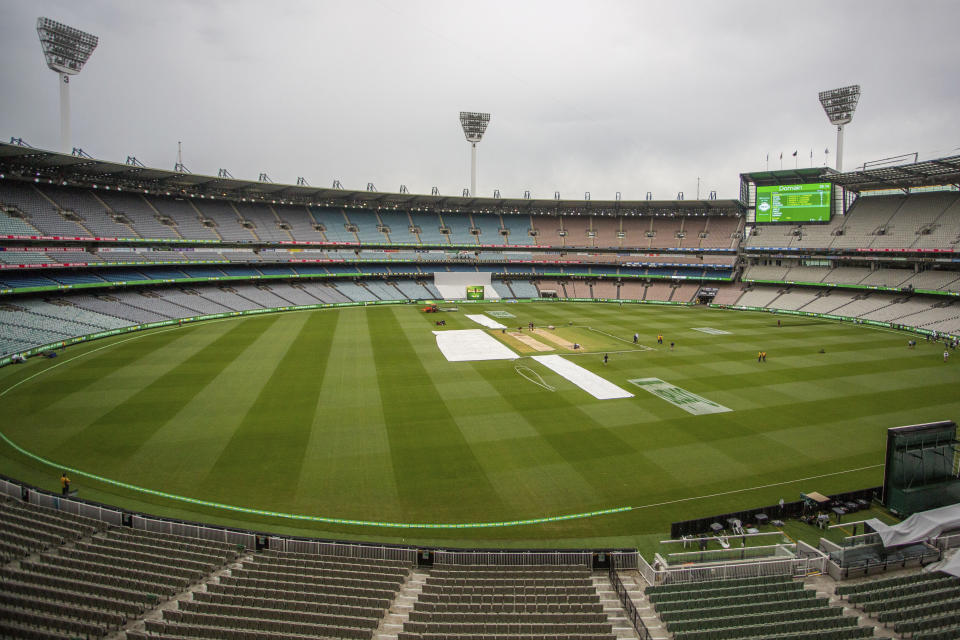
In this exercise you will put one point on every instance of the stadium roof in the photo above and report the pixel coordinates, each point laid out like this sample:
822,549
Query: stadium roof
786,176
25,162
944,171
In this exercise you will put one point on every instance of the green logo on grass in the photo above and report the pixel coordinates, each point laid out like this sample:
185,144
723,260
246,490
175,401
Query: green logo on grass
689,402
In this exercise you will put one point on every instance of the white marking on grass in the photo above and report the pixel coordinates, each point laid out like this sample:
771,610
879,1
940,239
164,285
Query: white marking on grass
762,486
681,398
711,331
485,321
500,314
590,382
467,345
639,347
533,377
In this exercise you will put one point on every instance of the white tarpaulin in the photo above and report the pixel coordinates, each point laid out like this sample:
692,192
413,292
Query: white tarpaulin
952,566
490,323
472,344
918,527
587,380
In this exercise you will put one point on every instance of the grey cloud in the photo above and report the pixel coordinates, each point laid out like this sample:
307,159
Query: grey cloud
600,97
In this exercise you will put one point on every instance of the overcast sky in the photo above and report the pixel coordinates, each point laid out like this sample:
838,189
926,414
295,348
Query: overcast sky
585,96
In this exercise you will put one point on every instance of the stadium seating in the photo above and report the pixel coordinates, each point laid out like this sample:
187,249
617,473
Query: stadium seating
76,576
515,602
774,606
919,605
288,594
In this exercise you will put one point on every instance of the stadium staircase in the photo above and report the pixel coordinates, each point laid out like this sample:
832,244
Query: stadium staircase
622,627
399,612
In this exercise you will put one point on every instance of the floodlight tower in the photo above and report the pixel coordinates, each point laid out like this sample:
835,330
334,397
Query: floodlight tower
840,105
474,126
66,50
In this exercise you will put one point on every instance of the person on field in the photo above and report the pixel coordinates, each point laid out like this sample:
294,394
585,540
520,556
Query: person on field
763,356
659,338
946,354
759,356
64,483
636,338
671,346
605,358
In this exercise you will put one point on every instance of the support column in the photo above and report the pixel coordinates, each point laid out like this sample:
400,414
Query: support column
65,145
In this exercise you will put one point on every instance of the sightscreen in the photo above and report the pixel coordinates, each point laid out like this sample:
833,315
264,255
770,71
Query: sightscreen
794,202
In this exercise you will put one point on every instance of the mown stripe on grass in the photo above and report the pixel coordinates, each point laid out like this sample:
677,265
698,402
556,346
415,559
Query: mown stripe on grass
121,431
431,458
194,438
347,465
268,445
73,383
587,446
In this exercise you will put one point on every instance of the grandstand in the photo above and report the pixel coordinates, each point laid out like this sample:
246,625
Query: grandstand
78,262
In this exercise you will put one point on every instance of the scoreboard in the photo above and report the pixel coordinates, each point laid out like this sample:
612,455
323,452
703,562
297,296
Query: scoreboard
794,202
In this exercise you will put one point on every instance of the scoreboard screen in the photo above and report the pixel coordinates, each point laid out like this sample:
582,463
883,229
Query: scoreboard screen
475,292
794,202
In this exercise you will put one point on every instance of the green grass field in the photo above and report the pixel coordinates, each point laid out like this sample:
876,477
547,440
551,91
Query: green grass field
354,413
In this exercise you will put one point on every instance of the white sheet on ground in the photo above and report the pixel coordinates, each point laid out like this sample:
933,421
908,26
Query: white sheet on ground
586,380
465,345
490,323
919,526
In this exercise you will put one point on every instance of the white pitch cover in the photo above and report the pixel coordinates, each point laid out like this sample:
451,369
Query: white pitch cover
485,321
587,380
466,345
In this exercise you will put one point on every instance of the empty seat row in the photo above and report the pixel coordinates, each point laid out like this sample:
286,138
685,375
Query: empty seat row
272,613
711,584
325,597
338,605
773,629
507,628
275,626
284,572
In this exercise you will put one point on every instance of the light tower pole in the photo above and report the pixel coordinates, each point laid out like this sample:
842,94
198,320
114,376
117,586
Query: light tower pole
474,125
840,105
66,50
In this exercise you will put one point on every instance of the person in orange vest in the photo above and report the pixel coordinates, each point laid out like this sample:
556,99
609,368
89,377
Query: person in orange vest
64,483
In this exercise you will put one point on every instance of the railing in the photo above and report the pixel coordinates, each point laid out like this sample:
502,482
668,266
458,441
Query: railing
625,559
949,541
514,558
795,566
863,567
76,507
767,551
11,489
344,550
190,530
628,605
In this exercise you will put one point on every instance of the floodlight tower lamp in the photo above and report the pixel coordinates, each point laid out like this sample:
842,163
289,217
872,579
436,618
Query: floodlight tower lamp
839,105
66,50
474,126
